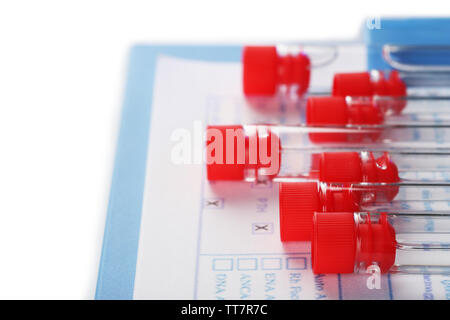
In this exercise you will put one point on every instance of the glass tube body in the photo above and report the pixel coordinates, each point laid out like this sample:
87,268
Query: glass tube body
389,242
404,111
415,151
298,201
383,197
423,84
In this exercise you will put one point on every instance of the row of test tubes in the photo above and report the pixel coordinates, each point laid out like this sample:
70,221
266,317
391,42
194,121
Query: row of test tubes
364,175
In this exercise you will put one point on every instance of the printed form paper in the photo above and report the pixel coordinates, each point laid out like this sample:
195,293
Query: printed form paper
202,240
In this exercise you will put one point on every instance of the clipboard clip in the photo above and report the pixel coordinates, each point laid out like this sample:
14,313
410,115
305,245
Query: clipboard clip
389,50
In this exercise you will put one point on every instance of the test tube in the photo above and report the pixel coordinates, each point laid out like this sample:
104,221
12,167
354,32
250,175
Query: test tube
335,110
286,68
271,69
408,80
407,84
298,201
355,242
281,153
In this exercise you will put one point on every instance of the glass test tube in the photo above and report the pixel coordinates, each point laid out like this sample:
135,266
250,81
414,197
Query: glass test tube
286,153
354,242
298,201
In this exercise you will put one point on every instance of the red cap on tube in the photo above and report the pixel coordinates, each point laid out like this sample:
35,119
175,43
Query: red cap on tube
260,70
335,238
341,167
264,70
230,151
361,84
354,167
299,201
217,166
335,111
326,110
352,84
333,246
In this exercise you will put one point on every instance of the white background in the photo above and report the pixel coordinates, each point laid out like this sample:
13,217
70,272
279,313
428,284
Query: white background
62,67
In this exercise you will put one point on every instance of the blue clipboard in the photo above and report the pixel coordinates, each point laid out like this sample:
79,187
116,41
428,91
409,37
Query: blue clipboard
121,236
120,242
408,32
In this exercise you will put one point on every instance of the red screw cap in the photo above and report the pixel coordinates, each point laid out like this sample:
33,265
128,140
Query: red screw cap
264,70
299,201
326,111
333,247
352,84
260,70
340,167
335,236
230,151
216,154
351,167
361,84
335,111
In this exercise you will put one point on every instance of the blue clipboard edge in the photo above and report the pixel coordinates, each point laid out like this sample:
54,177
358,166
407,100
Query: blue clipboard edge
405,31
121,236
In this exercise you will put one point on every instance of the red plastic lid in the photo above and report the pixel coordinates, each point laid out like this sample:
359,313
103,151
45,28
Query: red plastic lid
264,70
324,111
230,151
352,167
335,111
260,70
352,84
216,152
335,236
360,84
333,247
340,167
327,111
299,201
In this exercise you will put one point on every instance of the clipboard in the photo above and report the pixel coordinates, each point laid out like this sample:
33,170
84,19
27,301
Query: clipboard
121,236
